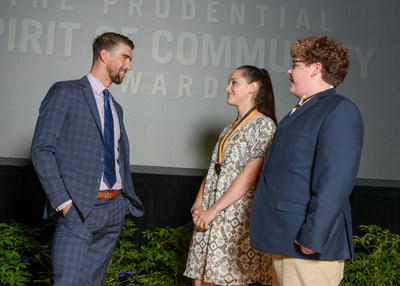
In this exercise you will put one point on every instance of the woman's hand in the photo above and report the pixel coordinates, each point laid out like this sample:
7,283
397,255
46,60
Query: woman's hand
202,218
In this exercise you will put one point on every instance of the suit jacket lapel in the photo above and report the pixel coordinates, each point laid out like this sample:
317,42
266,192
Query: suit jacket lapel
118,109
290,118
285,122
89,96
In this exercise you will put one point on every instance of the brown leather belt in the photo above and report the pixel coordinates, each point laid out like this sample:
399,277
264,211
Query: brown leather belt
108,195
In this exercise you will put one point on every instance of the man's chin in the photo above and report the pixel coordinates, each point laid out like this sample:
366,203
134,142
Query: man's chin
117,80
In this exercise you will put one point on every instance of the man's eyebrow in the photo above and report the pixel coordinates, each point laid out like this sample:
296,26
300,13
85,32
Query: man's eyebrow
126,56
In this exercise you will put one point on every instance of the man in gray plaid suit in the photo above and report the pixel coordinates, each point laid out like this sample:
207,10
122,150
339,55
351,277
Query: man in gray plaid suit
69,155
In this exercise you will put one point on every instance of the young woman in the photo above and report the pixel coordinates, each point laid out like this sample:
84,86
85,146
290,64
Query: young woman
220,251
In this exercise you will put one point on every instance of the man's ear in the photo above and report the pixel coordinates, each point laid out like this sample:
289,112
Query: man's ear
104,54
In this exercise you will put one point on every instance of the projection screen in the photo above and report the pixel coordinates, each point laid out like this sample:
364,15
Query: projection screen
174,98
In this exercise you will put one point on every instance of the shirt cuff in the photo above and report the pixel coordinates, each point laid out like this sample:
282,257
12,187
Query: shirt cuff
60,207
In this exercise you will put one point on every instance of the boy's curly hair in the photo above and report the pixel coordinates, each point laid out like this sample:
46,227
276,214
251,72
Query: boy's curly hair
329,52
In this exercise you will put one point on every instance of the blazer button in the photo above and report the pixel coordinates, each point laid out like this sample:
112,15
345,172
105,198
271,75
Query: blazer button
98,181
101,159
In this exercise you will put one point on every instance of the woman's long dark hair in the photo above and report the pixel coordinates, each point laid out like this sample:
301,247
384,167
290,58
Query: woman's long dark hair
264,99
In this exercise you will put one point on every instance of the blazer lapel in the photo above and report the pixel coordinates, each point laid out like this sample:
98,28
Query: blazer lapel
89,96
290,118
285,122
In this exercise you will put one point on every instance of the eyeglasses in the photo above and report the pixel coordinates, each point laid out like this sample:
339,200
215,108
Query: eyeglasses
297,61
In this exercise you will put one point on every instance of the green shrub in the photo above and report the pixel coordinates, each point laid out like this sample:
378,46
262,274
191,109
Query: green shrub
159,262
377,259
25,257
15,240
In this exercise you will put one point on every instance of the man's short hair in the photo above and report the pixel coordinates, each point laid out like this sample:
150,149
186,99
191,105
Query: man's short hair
109,41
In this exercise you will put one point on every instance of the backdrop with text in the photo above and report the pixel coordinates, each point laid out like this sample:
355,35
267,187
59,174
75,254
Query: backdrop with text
174,98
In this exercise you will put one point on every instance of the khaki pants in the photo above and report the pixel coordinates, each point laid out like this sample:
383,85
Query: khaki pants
288,271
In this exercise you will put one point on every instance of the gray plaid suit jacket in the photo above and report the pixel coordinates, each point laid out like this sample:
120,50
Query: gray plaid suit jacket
68,151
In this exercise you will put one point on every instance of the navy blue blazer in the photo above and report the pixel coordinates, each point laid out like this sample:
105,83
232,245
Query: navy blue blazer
307,177
68,151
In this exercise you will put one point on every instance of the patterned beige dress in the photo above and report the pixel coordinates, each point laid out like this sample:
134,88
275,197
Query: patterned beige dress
222,254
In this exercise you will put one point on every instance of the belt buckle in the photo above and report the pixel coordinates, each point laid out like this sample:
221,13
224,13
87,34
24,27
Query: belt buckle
108,192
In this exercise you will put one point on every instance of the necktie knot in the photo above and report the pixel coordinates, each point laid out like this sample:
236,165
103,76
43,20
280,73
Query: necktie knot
106,93
302,101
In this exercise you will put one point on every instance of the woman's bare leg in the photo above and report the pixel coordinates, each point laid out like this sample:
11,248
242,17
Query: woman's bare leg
202,283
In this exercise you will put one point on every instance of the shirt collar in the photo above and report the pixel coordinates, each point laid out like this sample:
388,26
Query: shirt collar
97,86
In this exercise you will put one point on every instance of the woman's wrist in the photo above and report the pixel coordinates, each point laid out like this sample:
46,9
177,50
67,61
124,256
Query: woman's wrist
194,207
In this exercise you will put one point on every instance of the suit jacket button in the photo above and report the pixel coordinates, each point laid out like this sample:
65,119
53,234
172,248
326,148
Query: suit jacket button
101,159
98,181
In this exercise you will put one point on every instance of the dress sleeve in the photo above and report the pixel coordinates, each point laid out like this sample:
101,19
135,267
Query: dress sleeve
260,138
